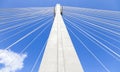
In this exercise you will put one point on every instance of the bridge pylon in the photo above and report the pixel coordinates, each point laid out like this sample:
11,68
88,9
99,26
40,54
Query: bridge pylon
60,54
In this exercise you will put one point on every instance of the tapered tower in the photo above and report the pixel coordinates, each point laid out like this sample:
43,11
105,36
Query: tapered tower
60,54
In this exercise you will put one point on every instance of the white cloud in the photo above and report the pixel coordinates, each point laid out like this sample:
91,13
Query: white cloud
12,61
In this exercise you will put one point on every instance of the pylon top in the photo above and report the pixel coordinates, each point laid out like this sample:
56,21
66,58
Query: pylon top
58,9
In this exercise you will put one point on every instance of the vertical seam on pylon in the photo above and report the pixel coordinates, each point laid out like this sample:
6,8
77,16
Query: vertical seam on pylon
57,44
63,53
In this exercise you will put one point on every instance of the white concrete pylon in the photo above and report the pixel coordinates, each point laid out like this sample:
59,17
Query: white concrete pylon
60,55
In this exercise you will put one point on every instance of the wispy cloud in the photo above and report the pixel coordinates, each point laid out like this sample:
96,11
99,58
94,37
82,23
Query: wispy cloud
12,61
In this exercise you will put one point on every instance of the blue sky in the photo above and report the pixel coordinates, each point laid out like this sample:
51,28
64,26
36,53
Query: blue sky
88,62
100,4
